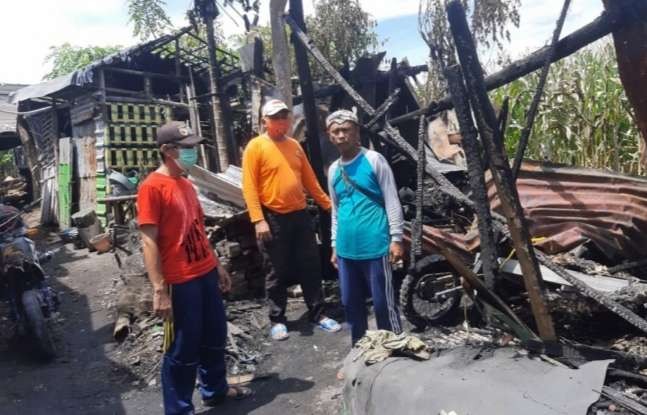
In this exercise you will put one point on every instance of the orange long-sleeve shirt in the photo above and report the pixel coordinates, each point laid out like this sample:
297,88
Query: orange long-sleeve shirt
275,175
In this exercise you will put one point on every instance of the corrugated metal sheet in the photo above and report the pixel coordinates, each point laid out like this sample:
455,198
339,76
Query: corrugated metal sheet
225,186
568,207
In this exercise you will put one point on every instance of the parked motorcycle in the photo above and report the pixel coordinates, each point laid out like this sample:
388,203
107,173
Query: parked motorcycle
23,283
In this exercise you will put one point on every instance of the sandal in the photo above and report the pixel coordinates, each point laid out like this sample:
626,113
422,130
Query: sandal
279,332
329,325
239,393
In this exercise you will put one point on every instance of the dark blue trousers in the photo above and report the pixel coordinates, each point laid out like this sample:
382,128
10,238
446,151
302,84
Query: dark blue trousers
360,279
200,326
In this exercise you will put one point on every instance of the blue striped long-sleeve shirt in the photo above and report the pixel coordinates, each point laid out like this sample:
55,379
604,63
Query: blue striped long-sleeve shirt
365,222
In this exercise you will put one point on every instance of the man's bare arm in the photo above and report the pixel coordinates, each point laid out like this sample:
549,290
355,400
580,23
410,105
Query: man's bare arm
153,263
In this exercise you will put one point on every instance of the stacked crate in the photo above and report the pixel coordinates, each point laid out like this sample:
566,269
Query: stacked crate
126,142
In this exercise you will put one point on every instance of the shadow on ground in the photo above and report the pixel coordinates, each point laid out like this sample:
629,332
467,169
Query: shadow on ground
81,379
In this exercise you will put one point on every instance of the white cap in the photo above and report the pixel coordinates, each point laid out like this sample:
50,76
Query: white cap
273,106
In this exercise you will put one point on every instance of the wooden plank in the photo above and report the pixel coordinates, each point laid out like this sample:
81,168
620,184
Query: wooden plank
476,172
307,89
65,170
86,174
500,168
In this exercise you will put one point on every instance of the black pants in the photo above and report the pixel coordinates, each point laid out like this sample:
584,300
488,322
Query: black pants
292,256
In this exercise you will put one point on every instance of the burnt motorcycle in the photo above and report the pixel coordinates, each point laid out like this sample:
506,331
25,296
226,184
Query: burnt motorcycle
23,284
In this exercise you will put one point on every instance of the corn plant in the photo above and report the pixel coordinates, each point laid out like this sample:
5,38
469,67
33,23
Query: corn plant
584,119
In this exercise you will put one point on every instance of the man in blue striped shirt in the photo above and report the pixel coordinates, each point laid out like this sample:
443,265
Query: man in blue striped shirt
367,226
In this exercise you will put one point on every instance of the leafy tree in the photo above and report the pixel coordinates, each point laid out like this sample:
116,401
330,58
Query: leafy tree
7,165
342,31
489,22
66,58
149,18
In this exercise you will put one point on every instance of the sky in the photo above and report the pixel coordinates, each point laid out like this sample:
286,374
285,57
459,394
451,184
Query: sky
30,27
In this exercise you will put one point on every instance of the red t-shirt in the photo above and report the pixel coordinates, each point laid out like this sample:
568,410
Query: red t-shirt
172,205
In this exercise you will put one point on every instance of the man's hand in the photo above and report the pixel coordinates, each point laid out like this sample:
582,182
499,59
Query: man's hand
396,252
263,232
224,281
333,258
162,303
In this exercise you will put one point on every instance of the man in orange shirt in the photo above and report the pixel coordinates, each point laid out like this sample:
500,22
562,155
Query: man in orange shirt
276,174
187,277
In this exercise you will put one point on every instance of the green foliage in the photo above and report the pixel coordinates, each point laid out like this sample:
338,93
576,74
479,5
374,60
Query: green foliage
342,31
489,21
7,165
66,58
584,119
149,18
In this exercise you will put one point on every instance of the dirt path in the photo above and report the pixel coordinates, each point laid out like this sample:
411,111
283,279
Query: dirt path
84,380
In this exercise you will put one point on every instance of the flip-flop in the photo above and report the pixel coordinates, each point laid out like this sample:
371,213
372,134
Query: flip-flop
279,332
241,393
329,325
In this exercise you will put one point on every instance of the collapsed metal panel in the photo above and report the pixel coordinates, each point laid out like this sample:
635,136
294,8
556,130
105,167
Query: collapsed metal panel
567,207
570,206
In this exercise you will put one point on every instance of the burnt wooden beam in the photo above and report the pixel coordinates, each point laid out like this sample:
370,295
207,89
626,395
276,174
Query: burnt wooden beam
534,105
307,90
416,231
198,38
431,163
476,172
313,141
604,24
384,108
499,167
221,127
144,73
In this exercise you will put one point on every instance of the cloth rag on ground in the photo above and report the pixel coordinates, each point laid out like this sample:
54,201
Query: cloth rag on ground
378,345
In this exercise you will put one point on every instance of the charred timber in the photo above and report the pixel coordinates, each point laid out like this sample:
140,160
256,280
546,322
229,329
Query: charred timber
416,233
476,172
604,24
394,135
382,110
534,105
492,141
307,89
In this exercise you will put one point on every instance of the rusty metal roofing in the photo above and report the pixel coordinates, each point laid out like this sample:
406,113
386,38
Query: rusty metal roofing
567,207
570,206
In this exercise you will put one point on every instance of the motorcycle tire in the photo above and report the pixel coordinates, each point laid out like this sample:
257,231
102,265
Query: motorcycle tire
429,275
38,325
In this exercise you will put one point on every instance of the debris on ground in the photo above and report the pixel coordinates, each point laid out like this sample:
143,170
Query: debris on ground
378,345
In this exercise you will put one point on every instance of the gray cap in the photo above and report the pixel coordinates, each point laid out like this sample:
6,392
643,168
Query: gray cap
341,116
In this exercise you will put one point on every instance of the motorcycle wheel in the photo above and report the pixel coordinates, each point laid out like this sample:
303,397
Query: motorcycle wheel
429,276
37,324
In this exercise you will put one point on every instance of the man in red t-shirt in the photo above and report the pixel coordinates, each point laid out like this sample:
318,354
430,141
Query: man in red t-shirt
187,277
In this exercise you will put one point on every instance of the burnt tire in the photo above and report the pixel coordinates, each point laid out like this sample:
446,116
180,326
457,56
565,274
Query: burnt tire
37,325
429,276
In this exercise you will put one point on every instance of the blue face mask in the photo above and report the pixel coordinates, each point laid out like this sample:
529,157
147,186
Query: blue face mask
188,157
